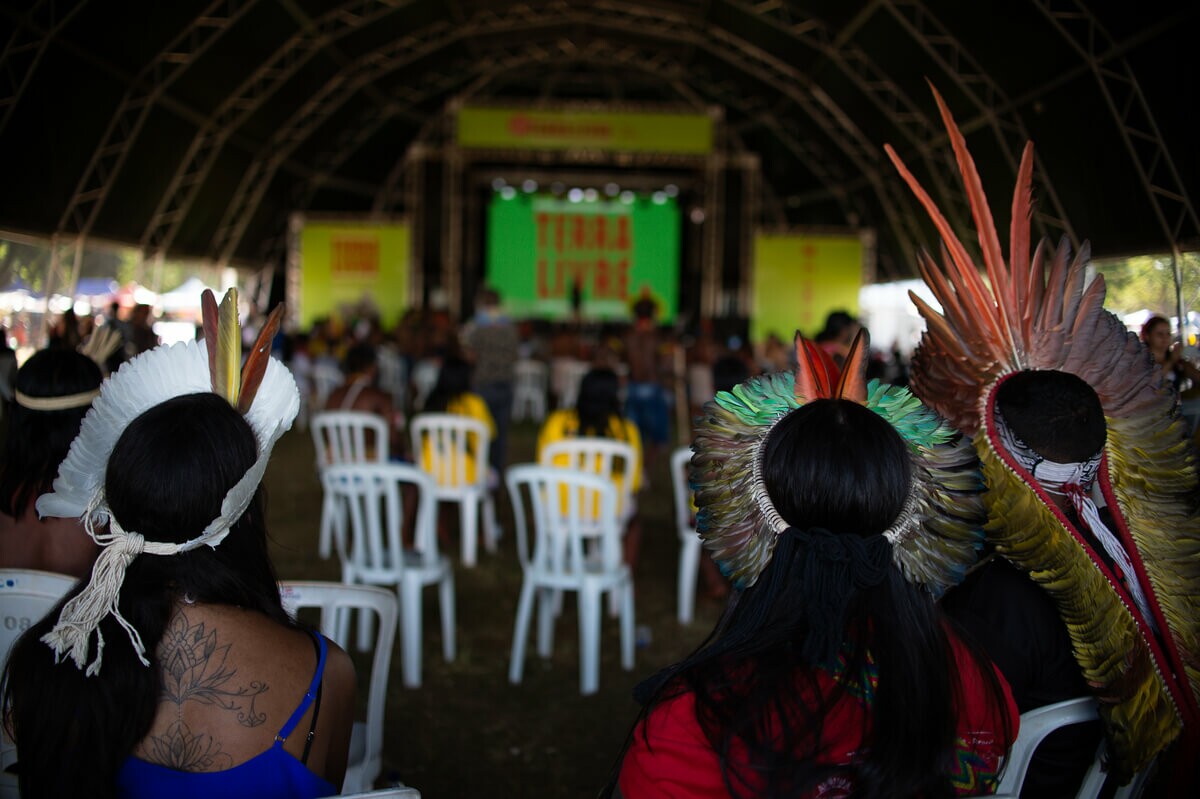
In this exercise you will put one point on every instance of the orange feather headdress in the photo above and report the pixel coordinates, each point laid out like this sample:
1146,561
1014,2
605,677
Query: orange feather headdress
1039,313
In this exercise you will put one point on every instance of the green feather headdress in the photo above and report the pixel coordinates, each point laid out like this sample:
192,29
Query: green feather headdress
936,538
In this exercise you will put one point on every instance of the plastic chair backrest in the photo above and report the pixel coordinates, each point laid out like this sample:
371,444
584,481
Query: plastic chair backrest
325,376
370,496
567,374
385,793
530,379
349,437
424,377
561,502
329,599
604,457
393,374
451,438
682,492
1035,726
26,595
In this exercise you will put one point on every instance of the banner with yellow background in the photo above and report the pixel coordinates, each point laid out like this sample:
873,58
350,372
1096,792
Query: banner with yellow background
799,278
564,129
344,264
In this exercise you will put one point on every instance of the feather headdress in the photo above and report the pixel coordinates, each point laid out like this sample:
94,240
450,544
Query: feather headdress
937,536
1036,313
263,390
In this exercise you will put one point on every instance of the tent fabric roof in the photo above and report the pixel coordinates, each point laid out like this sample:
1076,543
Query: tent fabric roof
195,126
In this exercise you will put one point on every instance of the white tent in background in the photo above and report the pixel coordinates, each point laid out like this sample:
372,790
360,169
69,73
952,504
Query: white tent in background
184,300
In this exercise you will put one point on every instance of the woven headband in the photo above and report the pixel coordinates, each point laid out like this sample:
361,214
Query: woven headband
60,403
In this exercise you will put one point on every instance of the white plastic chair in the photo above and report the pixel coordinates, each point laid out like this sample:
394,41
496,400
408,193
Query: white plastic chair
689,540
530,379
335,600
393,374
26,595
326,376
345,437
566,375
449,447
424,377
369,496
561,503
613,460
1035,726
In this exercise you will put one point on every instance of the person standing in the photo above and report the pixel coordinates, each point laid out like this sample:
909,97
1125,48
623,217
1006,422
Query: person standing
491,344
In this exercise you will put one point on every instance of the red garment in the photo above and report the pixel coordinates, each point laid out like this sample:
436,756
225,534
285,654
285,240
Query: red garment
679,762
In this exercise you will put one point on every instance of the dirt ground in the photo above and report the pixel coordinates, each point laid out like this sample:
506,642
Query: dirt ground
466,731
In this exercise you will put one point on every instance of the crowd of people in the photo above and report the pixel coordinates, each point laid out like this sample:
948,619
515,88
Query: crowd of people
909,568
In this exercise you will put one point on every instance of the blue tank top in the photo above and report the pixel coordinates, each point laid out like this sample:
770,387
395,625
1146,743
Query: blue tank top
273,774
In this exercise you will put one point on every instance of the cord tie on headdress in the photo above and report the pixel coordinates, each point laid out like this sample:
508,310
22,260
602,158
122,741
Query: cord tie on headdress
81,616
1074,481
832,568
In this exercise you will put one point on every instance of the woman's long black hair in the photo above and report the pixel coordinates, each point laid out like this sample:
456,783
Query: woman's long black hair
37,441
598,404
836,466
454,380
166,479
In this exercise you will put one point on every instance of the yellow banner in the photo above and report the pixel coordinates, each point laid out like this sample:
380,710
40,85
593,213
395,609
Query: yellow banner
799,279
523,129
346,264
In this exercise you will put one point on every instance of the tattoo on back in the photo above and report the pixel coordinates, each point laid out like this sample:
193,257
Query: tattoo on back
193,667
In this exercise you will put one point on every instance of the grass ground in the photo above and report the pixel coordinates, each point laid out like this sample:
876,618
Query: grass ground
467,731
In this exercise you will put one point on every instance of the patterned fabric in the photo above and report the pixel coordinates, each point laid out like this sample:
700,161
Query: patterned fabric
680,762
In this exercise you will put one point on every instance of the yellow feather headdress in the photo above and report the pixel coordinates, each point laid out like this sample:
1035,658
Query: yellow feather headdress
1037,313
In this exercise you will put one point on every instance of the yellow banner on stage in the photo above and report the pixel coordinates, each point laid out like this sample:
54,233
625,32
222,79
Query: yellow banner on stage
799,278
525,129
344,264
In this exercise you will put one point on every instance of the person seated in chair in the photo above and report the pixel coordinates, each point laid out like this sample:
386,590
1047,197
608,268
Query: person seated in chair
54,390
175,671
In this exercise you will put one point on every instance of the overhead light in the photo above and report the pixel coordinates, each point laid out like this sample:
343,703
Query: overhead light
627,197
575,195
659,198
529,186
671,190
611,189
498,184
508,192
591,195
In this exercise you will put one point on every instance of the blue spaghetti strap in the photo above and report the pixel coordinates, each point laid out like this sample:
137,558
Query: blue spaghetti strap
313,690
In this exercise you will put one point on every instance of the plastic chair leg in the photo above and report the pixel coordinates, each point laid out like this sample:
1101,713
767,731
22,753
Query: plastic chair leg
627,626
491,528
325,542
545,621
366,630
589,640
689,565
446,599
410,632
516,665
468,528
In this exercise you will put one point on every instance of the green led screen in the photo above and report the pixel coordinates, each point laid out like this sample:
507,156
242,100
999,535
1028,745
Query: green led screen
540,248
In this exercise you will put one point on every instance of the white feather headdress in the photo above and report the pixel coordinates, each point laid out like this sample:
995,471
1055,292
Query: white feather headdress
148,380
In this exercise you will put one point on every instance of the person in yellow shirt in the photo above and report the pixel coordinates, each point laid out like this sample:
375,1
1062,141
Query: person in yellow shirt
597,413
452,394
